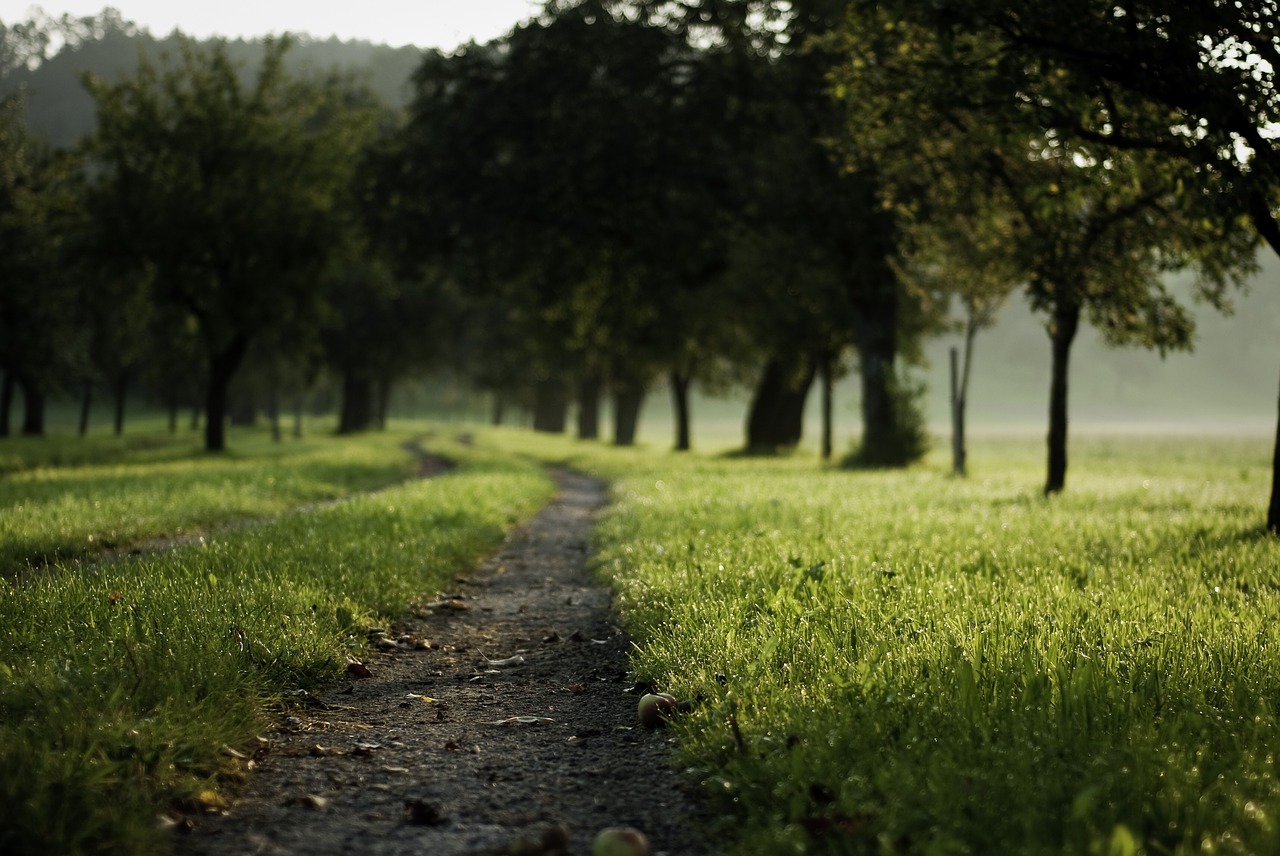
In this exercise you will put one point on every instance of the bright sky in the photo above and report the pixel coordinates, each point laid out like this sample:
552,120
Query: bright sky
425,23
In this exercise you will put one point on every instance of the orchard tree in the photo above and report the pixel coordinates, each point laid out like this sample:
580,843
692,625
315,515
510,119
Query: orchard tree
1191,86
562,175
1096,227
224,193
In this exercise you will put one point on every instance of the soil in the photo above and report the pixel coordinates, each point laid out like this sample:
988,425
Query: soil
501,719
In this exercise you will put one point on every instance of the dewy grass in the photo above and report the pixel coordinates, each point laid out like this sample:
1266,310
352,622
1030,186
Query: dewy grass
49,512
905,662
121,687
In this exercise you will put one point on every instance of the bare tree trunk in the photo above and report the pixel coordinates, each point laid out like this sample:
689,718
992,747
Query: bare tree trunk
498,411
7,388
86,405
626,413
222,368
1273,511
1062,332
680,383
589,408
299,404
776,418
273,414
121,392
826,368
551,404
357,403
32,408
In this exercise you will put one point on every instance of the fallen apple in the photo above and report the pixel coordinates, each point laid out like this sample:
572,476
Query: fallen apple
620,841
655,708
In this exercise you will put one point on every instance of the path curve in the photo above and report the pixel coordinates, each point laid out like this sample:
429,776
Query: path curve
512,733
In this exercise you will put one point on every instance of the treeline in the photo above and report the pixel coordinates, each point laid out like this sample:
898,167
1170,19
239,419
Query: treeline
725,192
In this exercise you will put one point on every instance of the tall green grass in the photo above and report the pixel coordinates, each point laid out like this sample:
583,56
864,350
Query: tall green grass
906,662
57,503
122,684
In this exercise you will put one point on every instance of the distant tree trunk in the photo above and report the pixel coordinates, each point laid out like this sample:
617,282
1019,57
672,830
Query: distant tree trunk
299,404
627,399
680,383
1062,331
496,414
32,408
357,413
7,387
550,408
86,405
826,370
173,417
384,401
273,414
957,416
775,420
589,408
121,392
877,343
1273,511
222,368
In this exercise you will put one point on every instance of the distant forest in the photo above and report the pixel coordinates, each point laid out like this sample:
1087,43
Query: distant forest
795,203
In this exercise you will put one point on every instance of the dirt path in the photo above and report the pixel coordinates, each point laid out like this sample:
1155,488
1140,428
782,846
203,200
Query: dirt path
512,733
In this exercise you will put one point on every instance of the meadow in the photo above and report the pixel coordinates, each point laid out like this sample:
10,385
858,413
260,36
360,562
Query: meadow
908,662
881,662
129,684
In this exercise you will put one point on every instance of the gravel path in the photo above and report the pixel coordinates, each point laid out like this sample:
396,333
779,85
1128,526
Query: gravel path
512,733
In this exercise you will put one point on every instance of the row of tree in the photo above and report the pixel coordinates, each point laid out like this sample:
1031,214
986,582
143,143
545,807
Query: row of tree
710,191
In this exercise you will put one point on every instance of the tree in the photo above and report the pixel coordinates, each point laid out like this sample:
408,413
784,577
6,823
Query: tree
1096,227
552,174
223,192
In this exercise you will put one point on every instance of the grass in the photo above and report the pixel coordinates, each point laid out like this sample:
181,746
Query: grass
885,662
125,685
59,502
905,662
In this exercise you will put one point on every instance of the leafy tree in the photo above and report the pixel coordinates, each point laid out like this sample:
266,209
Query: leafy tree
560,174
223,192
1192,86
1096,229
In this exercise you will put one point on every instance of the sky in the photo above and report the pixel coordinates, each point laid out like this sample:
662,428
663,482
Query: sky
441,24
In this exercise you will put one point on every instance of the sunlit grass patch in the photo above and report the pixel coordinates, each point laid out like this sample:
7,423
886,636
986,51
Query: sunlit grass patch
126,686
49,511
911,662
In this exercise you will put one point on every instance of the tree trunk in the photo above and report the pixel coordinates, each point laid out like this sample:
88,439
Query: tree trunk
826,369
357,413
273,414
550,408
299,404
1062,331
627,399
589,408
173,417
222,368
776,418
7,387
1273,511
496,414
384,401
957,417
32,408
86,405
121,391
680,383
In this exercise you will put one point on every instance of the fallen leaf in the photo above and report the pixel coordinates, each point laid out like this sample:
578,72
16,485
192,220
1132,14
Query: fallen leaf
358,670
513,660
521,720
314,802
